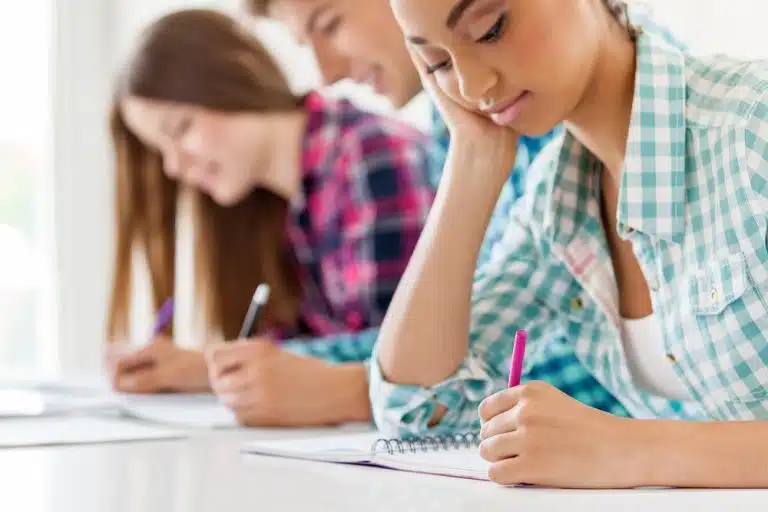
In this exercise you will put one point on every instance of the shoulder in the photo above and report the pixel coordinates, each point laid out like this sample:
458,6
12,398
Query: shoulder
353,140
723,91
356,127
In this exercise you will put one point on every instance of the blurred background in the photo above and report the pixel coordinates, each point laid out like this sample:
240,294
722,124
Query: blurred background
55,174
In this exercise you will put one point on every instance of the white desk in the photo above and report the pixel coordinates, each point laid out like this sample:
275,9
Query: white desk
207,473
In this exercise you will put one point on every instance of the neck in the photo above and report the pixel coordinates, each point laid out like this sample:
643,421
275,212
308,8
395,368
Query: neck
601,121
279,166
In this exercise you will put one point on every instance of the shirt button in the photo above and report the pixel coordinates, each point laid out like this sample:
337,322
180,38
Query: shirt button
714,295
653,285
671,358
577,304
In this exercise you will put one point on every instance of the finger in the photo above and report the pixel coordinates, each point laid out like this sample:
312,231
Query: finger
223,357
141,381
231,383
248,416
499,403
510,471
130,363
500,424
427,80
248,398
503,446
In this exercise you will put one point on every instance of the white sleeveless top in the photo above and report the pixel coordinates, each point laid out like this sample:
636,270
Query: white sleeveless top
651,370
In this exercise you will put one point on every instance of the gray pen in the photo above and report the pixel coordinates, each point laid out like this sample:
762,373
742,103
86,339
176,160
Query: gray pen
260,298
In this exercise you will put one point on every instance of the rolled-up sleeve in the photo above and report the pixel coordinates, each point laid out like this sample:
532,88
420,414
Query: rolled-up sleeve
503,300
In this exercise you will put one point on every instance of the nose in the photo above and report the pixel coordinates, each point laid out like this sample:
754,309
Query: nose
474,79
175,162
333,66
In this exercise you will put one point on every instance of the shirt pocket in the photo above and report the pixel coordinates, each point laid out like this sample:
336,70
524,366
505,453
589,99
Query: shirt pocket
725,346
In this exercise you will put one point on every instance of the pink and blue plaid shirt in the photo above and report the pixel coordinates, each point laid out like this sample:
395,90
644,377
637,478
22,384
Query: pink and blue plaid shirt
365,195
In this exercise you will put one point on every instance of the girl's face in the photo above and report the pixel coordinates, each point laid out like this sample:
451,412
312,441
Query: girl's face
523,63
209,150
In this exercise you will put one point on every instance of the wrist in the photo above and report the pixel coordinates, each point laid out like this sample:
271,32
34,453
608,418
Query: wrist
477,173
658,451
348,390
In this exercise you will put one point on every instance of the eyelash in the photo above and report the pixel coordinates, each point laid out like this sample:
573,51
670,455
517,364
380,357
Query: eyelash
182,127
495,32
331,27
493,35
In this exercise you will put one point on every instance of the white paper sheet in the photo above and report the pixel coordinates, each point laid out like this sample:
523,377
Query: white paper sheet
194,411
64,430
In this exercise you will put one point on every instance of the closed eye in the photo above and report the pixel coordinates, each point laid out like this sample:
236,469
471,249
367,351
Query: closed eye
181,127
329,28
495,32
434,68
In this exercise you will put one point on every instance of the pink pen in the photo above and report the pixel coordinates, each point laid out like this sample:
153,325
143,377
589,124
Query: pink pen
518,354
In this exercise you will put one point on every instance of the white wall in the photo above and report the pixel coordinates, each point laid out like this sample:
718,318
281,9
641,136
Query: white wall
82,180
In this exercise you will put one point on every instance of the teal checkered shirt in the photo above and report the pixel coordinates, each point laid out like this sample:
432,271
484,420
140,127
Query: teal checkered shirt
694,204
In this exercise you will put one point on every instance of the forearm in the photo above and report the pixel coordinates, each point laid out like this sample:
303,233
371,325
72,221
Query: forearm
424,336
346,393
713,454
336,348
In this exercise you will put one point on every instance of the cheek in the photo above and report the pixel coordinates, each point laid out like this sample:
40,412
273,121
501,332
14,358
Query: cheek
222,138
209,137
557,53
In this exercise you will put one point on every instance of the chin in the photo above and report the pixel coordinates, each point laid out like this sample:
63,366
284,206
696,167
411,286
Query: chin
224,198
402,96
537,126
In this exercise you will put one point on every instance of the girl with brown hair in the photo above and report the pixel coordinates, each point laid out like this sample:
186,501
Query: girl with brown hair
321,201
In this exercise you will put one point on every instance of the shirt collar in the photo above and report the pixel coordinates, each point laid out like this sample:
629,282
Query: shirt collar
652,189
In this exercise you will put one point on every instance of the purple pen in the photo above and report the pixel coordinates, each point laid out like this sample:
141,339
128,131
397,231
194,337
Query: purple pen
164,316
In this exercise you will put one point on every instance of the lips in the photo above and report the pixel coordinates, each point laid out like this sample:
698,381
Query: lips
506,112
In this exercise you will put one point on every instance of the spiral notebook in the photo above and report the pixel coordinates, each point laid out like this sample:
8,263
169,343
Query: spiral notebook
454,455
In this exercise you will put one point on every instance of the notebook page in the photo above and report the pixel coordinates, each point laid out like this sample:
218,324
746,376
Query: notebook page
462,463
61,430
194,411
30,402
353,448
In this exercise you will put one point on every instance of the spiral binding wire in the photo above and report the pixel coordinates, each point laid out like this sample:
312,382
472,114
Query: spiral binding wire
426,443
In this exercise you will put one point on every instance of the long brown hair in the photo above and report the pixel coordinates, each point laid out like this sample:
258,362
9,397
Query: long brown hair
204,58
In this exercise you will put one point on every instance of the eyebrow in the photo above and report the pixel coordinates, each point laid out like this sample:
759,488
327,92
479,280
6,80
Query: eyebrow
312,20
453,19
457,12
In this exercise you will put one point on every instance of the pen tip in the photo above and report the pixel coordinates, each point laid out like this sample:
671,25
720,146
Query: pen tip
261,295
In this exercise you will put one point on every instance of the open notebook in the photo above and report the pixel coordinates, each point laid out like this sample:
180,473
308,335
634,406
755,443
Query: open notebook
454,455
